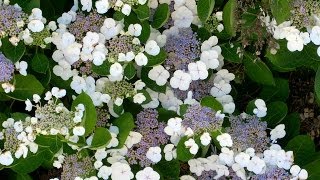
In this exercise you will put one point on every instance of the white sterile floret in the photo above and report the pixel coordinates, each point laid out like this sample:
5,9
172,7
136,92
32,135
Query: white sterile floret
295,42
256,165
141,59
180,80
224,74
198,70
98,165
220,27
126,9
187,177
116,69
139,85
196,166
110,28
303,174
278,132
78,130
18,127
225,140
86,5
170,152
104,172
220,89
159,74
36,25
102,6
7,87
210,58
78,84
261,109
139,98
100,154
205,139
121,171
28,105
132,139
294,170
118,101
226,156
135,29
315,35
242,159
21,151
152,48
22,67
154,154
63,70
58,93
192,146
6,158
174,126
182,17
147,174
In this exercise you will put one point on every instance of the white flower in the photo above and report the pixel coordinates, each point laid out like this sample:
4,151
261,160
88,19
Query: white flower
126,9
220,89
21,151
116,69
170,152
36,25
6,158
226,156
147,174
121,171
192,145
102,6
261,110
36,98
220,27
139,84
141,59
139,98
187,177
198,70
154,154
104,172
303,174
210,58
118,101
18,126
28,105
7,87
63,70
78,130
278,132
86,5
219,15
256,165
22,67
205,139
78,84
196,166
152,48
180,80
242,159
100,154
159,74
110,28
142,2
295,42
132,139
315,35
182,17
135,29
58,93
225,140
294,170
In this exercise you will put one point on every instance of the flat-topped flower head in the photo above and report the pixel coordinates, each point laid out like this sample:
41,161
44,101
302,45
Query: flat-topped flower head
119,89
74,167
248,132
201,119
6,69
11,17
153,135
273,173
302,12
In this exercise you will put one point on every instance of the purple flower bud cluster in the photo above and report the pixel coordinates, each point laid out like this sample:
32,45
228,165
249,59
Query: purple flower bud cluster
121,44
198,88
182,49
74,167
6,69
248,132
273,173
201,119
85,23
152,133
10,16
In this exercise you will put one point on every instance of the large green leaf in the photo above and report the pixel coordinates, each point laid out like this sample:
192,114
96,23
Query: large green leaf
142,12
168,170
14,53
211,102
101,138
125,123
30,163
90,115
150,83
25,87
313,170
303,149
257,70
276,112
230,53
279,92
40,63
204,9
183,153
161,16
281,10
130,71
292,126
156,60
145,32
229,17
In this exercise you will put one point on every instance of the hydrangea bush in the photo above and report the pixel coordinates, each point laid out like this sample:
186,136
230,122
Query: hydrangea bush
150,89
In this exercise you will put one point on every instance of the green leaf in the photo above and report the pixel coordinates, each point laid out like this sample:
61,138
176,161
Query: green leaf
317,84
145,32
230,53
204,9
229,17
165,115
211,102
130,71
25,87
90,115
40,63
125,123
168,170
250,107
118,16
279,92
103,69
30,163
14,53
183,153
203,34
303,149
156,60
19,116
257,70
101,138
161,16
150,83
292,126
280,9
142,12
276,112
313,170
